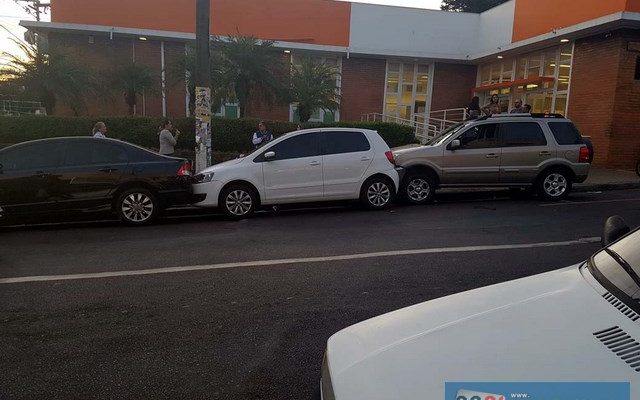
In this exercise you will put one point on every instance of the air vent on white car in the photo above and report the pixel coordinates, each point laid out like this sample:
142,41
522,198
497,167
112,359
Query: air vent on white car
621,306
623,345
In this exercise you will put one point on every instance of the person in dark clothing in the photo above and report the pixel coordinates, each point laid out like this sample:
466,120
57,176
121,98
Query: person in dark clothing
473,110
261,136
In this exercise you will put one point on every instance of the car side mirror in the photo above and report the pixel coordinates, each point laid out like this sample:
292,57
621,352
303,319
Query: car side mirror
614,229
455,144
270,155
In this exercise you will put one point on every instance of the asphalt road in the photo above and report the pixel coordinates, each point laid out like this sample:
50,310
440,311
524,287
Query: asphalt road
198,307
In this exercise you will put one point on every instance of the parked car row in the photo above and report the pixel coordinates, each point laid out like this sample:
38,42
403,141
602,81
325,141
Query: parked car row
314,165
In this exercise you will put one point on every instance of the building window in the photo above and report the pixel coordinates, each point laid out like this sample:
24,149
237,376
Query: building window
407,91
548,73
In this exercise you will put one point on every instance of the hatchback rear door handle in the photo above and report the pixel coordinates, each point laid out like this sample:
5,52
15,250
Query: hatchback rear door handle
365,158
492,155
314,163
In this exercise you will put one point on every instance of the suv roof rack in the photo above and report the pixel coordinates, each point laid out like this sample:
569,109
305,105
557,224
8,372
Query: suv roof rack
532,115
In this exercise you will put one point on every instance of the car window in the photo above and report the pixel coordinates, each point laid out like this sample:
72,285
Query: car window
300,146
345,142
141,155
629,251
32,156
92,152
565,133
518,134
479,137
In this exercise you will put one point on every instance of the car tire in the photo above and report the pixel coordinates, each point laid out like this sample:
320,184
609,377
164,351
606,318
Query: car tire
137,207
418,188
377,193
554,185
238,201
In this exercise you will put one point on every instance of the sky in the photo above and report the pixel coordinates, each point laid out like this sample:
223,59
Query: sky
11,14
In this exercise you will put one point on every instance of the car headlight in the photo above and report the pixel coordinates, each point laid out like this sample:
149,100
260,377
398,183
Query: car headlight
204,177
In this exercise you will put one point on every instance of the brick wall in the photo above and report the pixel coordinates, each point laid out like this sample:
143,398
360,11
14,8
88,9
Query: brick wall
625,135
363,82
452,85
605,98
104,54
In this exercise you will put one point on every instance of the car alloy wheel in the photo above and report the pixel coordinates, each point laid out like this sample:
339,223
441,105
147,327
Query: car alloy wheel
238,202
418,190
379,194
137,207
555,185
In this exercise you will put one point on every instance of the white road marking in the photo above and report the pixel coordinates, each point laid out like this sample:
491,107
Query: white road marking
264,263
572,203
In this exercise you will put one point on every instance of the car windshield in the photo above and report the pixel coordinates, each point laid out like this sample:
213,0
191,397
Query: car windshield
446,134
619,264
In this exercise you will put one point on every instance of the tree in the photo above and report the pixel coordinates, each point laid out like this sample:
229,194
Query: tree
49,76
133,80
313,86
473,6
185,70
250,67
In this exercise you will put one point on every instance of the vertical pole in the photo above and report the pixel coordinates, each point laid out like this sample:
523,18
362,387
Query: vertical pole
203,86
164,80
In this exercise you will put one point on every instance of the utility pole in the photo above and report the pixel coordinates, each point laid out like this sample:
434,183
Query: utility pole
203,85
34,7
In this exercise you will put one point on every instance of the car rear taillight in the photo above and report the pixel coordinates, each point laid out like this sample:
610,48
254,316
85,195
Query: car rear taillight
390,157
584,154
185,169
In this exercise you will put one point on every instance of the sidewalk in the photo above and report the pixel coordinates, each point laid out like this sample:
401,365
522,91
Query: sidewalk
608,179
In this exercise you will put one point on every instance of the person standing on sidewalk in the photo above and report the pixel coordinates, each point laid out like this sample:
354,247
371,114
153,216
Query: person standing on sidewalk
493,107
167,140
100,130
262,136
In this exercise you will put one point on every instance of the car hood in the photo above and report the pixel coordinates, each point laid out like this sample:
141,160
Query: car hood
534,329
416,151
223,165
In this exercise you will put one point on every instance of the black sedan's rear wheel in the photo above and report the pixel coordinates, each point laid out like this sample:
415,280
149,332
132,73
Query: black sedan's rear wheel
137,207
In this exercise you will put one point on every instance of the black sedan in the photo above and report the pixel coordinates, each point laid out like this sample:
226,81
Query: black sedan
85,174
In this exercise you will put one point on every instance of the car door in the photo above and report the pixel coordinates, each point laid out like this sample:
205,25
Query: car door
91,172
27,177
524,150
294,174
346,157
477,160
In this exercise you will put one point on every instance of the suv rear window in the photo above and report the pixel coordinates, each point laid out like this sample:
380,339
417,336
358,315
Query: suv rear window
517,134
565,133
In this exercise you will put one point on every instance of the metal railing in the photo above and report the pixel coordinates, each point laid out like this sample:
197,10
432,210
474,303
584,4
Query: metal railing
422,130
20,107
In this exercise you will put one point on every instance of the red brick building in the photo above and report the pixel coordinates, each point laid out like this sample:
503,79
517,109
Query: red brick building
581,59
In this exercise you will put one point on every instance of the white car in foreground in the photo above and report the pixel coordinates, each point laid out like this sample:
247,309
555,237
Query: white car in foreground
579,324
303,166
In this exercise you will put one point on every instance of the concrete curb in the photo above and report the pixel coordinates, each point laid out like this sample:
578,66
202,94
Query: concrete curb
605,186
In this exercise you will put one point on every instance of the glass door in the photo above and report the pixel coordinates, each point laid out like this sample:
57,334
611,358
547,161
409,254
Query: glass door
407,91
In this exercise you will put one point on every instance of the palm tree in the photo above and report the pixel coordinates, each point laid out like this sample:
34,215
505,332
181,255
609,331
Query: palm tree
313,86
185,70
250,67
133,80
49,76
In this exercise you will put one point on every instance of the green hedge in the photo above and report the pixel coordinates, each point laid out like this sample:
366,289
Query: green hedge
229,135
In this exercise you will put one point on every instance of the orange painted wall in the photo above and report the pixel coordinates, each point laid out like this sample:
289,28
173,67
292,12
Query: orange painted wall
312,21
633,5
536,17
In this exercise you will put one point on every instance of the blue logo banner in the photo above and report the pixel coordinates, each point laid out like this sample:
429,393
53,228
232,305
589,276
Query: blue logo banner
537,390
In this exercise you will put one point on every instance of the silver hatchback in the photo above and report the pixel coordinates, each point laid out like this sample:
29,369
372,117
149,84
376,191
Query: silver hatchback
544,152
